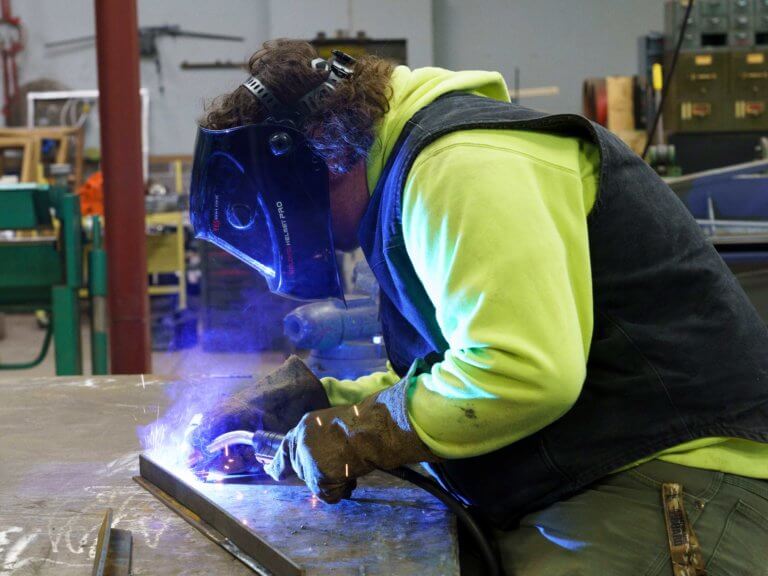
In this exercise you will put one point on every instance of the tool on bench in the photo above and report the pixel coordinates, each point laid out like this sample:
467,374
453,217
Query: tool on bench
148,47
266,444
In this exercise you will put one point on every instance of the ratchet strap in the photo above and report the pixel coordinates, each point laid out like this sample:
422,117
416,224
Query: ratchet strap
684,548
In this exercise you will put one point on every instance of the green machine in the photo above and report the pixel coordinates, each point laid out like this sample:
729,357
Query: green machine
41,269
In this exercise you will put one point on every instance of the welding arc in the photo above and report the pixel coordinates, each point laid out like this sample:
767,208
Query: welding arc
270,441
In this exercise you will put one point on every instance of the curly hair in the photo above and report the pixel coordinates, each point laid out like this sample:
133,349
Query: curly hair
342,130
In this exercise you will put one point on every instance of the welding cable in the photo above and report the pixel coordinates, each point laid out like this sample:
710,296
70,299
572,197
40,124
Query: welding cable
464,516
668,80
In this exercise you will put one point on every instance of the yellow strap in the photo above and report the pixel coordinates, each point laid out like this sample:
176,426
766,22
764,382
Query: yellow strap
684,548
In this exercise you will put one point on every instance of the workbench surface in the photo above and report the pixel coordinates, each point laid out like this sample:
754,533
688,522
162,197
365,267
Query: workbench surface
69,448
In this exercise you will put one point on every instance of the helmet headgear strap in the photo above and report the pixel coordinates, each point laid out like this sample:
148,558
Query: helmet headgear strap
340,67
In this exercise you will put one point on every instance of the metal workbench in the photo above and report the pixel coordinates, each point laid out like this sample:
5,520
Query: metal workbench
68,450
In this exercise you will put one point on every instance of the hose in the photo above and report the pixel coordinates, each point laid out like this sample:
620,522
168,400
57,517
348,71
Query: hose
464,516
668,79
40,356
266,444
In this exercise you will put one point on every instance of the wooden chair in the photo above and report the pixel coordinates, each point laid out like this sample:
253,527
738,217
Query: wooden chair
63,135
27,170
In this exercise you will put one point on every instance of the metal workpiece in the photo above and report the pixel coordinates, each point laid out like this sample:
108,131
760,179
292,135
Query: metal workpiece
69,450
201,526
388,527
214,520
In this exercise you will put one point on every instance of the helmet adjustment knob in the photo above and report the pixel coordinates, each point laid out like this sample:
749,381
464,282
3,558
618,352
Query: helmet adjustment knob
280,143
240,216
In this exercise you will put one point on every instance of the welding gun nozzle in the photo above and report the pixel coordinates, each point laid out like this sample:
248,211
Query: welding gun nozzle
230,439
265,444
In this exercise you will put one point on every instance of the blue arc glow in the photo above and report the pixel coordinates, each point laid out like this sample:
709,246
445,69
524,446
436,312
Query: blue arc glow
561,542
265,271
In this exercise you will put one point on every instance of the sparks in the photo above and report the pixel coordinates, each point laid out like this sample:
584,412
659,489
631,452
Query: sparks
319,422
230,460
143,384
346,470
157,436
245,522
226,467
226,449
357,412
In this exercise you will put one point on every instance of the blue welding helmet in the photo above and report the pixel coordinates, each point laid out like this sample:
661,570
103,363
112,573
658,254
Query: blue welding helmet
260,193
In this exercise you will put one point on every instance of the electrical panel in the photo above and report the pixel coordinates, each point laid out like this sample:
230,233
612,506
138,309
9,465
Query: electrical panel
721,80
749,88
718,23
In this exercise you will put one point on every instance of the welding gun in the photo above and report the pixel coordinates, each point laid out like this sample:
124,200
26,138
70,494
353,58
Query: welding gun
265,444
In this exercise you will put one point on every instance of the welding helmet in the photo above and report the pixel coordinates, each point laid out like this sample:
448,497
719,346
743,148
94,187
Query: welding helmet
260,193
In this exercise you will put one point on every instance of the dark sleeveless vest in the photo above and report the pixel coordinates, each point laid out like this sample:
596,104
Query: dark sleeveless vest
678,352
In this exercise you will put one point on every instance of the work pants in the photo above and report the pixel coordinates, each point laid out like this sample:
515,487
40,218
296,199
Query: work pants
616,526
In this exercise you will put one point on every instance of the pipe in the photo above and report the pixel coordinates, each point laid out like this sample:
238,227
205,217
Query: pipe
117,52
97,287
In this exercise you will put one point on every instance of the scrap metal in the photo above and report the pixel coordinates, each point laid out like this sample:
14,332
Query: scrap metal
114,550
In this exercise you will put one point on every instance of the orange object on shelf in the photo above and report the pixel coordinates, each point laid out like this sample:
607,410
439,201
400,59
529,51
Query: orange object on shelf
92,195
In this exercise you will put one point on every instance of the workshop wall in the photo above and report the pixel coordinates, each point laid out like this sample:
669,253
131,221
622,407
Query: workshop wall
489,34
172,114
554,43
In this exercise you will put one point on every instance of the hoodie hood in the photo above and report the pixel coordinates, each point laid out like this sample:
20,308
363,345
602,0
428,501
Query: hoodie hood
412,90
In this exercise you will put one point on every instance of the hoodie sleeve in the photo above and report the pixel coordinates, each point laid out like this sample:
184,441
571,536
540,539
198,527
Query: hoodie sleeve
344,392
498,238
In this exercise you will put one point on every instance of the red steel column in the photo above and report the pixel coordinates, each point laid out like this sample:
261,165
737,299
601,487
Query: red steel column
120,115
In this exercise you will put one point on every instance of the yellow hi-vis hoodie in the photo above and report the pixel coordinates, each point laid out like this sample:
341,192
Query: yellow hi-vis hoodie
495,225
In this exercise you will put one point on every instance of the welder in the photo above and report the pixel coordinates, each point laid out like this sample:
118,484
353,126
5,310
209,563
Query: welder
569,356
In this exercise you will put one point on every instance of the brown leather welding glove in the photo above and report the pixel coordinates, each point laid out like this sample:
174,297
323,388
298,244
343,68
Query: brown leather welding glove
330,448
275,403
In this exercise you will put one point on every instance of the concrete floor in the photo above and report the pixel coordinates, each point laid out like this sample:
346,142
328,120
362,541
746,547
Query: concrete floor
23,339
